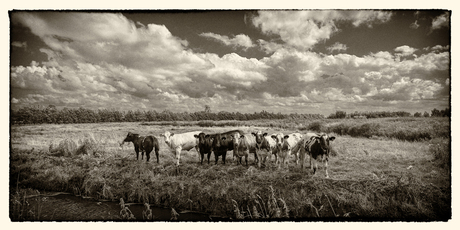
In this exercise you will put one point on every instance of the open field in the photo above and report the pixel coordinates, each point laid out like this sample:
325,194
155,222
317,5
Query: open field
375,178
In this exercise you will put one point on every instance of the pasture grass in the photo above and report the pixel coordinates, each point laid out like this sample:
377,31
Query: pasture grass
371,179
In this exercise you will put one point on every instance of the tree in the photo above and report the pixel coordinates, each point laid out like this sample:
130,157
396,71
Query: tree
207,109
417,114
435,113
426,114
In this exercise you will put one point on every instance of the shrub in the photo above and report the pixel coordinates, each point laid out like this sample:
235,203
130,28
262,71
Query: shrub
88,147
66,147
364,130
316,126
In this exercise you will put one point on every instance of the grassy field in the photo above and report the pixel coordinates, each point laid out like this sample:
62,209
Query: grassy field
379,177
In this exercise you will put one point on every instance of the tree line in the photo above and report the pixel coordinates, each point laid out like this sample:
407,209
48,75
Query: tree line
51,115
380,114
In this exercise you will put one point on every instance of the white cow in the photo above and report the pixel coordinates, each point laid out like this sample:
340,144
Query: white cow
182,141
273,148
284,144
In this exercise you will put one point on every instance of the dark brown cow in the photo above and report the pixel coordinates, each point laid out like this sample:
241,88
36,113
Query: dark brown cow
143,144
318,147
204,145
223,142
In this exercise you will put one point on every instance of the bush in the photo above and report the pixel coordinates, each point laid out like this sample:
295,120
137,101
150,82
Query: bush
66,147
364,130
316,126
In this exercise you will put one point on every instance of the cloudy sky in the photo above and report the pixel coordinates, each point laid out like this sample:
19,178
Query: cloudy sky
295,61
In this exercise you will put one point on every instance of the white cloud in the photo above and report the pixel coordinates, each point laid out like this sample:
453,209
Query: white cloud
239,40
440,21
440,48
19,44
303,29
337,47
405,50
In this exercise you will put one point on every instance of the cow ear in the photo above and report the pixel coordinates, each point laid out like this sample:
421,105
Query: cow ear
196,136
172,134
224,138
265,134
286,137
274,137
241,136
254,134
207,135
331,138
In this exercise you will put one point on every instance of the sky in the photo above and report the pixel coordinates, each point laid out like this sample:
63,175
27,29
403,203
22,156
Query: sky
288,61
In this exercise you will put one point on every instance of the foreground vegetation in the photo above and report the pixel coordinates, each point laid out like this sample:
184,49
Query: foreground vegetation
371,178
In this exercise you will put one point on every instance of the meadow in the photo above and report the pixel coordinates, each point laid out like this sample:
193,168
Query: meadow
385,169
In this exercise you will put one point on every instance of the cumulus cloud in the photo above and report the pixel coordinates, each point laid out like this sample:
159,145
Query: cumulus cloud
440,21
304,29
405,50
239,40
337,47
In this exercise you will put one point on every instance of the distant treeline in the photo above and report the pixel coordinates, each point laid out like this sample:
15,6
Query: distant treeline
51,115
380,114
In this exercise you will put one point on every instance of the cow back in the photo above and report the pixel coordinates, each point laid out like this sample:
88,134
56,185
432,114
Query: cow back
185,140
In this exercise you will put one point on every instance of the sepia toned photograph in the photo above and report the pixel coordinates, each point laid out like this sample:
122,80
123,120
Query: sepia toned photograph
231,115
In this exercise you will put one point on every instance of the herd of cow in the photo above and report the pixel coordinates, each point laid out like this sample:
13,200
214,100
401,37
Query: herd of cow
315,145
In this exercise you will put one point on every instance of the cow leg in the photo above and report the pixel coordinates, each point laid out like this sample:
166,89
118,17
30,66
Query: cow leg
209,156
147,154
315,167
202,157
157,154
137,152
178,150
325,165
142,155
246,159
217,157
224,155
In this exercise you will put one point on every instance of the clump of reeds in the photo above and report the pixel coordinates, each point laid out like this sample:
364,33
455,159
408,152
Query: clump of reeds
66,147
125,213
69,147
174,214
147,213
269,208
21,209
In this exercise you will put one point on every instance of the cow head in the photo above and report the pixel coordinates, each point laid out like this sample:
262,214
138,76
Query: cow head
259,137
236,139
217,141
201,138
324,141
129,138
167,135
279,140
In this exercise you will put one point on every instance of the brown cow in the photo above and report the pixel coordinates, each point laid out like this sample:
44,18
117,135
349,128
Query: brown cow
204,145
143,144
